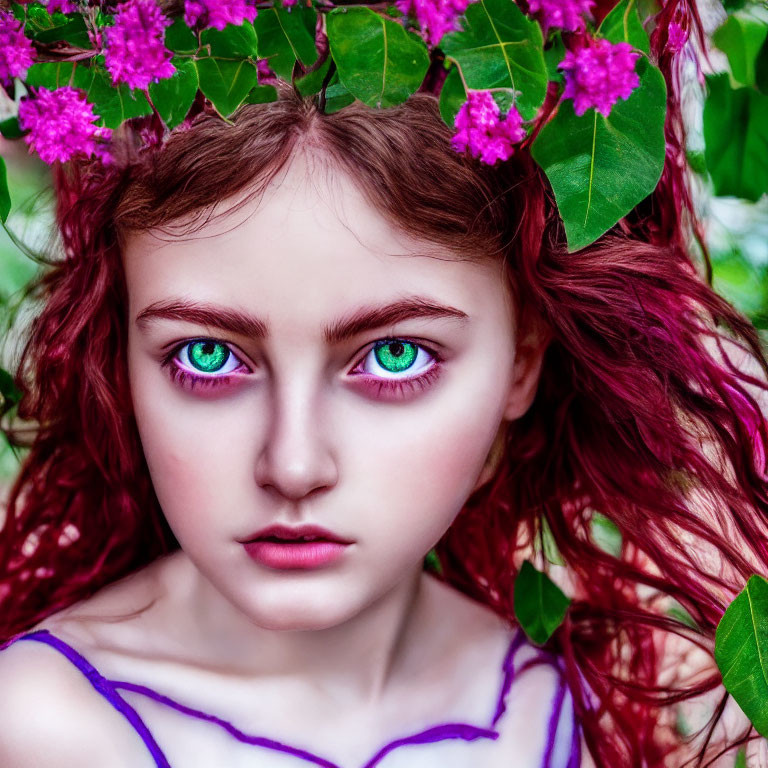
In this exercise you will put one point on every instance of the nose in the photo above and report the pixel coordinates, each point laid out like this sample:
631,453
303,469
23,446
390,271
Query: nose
297,457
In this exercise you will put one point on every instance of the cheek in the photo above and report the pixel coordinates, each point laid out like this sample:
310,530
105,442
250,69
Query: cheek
196,453
417,468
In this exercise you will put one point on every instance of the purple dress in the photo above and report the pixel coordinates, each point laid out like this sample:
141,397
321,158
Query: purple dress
561,749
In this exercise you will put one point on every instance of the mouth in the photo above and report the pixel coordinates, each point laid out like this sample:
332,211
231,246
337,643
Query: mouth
294,554
302,534
302,540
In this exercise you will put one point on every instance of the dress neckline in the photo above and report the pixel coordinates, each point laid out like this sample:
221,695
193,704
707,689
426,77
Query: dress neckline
111,688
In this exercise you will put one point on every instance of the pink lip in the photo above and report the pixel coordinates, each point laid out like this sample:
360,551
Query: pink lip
294,555
290,532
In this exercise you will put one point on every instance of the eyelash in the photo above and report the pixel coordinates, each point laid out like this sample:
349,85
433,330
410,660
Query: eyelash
378,385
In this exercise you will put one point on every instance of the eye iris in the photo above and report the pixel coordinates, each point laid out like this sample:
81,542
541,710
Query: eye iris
208,356
396,355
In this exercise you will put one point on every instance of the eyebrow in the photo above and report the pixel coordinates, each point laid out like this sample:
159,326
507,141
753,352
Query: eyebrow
359,321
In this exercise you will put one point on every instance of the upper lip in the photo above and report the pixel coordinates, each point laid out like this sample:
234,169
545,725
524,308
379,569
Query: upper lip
296,532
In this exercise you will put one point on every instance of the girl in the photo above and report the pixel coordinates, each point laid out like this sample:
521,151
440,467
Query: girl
281,361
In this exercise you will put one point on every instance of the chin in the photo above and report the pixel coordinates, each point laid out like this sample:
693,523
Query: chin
300,615
297,621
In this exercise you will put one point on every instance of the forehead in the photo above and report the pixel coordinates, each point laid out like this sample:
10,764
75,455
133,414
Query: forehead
311,246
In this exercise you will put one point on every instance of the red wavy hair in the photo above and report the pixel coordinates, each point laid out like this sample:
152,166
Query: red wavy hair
643,412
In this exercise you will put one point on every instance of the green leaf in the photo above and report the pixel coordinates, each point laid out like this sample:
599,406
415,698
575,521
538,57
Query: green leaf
432,562
540,605
50,75
452,96
5,193
554,53
9,128
741,759
231,42
696,161
312,82
378,61
761,68
9,394
737,279
548,545
736,139
180,38
605,534
677,612
261,94
173,96
336,96
740,39
600,167
623,25
499,47
226,83
114,104
741,651
287,36
47,28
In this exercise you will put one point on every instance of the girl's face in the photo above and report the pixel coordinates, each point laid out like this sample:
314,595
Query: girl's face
303,362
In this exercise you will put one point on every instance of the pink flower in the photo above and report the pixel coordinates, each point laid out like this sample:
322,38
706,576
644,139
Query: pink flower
218,13
289,3
676,37
60,125
435,17
135,53
599,74
563,14
264,73
63,6
481,129
16,50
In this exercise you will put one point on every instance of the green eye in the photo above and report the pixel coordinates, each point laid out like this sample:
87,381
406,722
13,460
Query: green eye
208,356
395,356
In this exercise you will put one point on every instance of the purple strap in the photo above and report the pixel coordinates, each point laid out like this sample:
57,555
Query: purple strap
103,686
464,731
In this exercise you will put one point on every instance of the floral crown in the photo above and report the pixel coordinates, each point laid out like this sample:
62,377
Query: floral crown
585,98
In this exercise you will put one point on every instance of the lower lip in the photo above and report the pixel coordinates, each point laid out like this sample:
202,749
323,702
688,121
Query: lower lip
303,555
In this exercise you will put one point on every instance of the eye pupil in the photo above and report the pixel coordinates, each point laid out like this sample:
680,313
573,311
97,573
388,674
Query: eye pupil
396,356
208,356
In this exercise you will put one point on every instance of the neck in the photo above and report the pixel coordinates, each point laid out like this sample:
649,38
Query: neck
355,659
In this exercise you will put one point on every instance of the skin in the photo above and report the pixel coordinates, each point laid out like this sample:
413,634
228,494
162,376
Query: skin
296,436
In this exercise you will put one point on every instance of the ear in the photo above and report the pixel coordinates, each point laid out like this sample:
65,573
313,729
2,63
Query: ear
529,356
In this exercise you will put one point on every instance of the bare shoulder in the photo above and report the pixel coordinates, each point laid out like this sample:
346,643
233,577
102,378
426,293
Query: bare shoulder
538,705
50,712
539,715
51,715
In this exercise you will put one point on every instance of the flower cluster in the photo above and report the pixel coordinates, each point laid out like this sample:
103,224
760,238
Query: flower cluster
481,129
16,51
135,52
264,72
677,37
435,17
217,14
599,74
62,6
563,14
60,125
